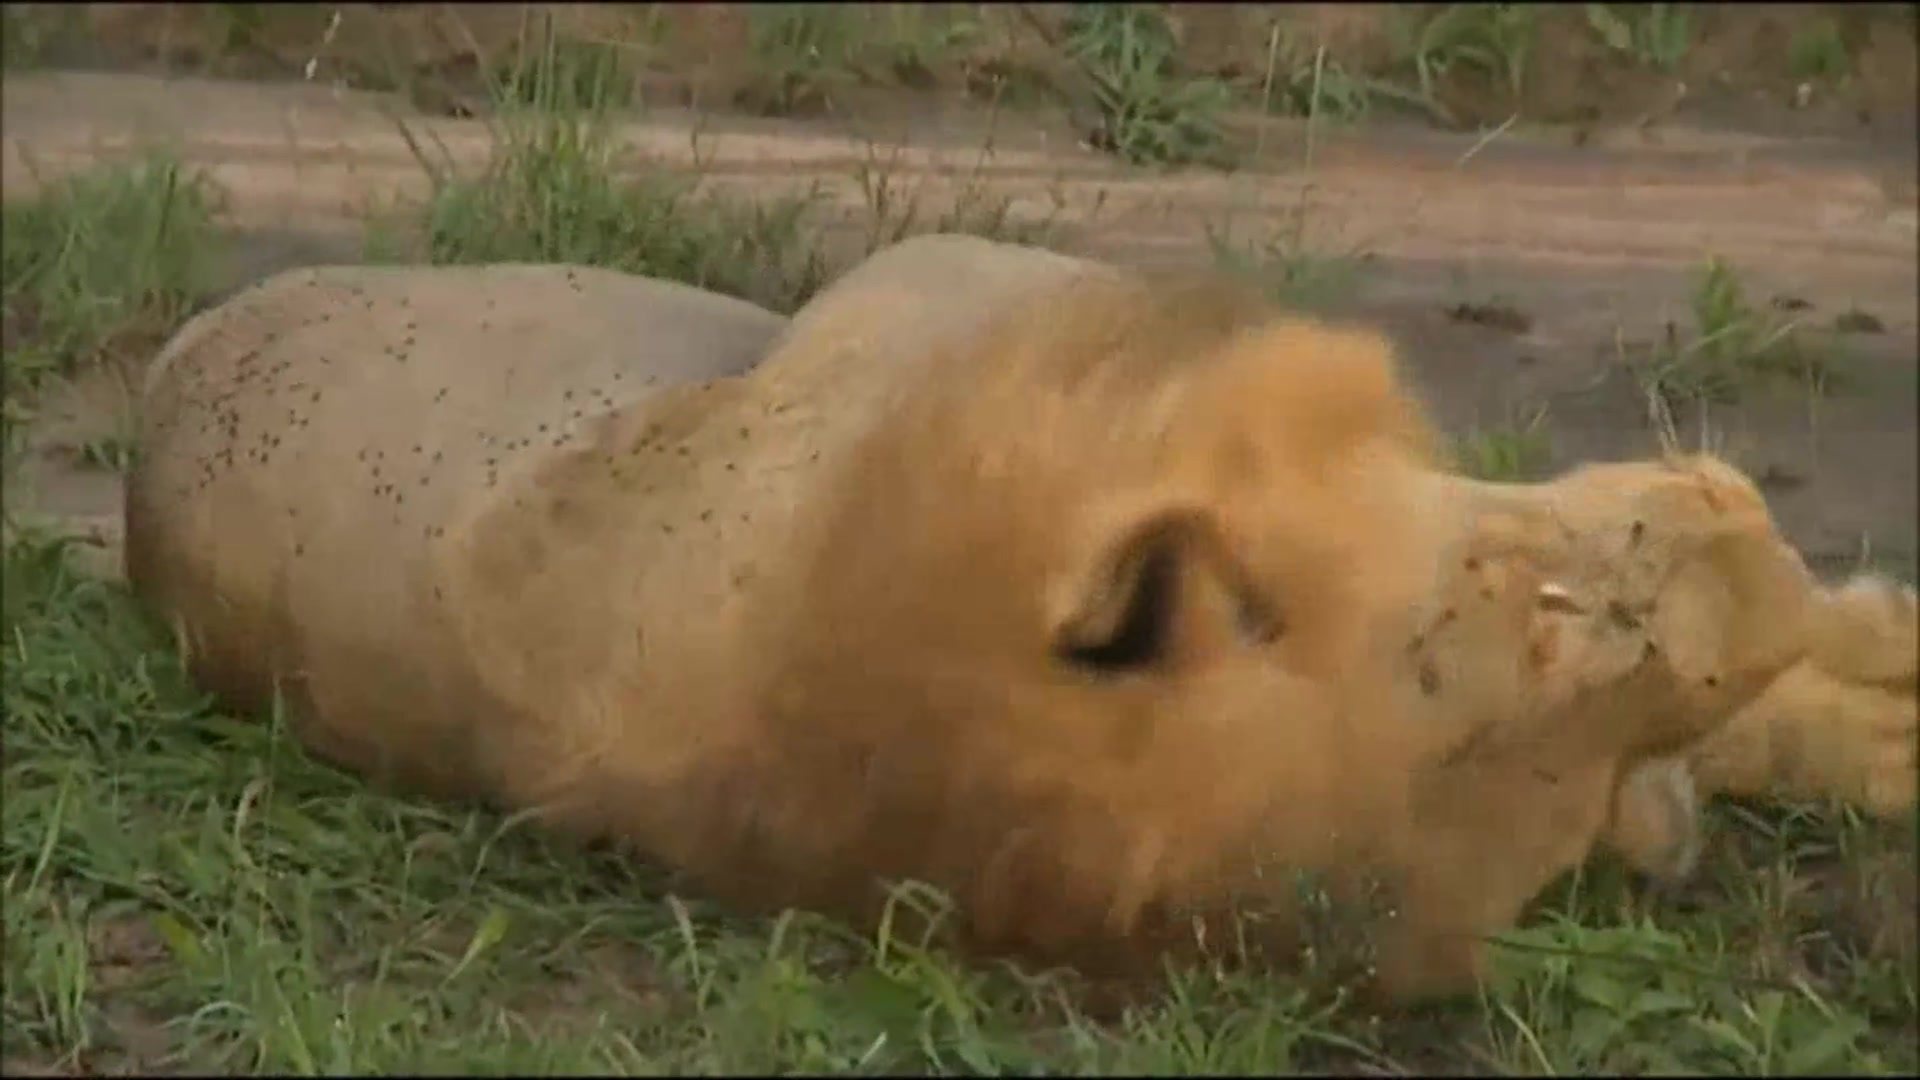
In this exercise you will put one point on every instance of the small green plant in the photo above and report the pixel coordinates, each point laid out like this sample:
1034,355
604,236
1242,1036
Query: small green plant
896,211
1493,39
1282,265
1149,112
113,453
1818,51
239,24
1629,1000
1306,81
806,56
15,417
121,250
803,54
1656,36
920,38
583,75
1733,342
31,33
1508,454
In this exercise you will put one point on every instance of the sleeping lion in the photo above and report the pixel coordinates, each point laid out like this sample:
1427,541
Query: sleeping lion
1113,606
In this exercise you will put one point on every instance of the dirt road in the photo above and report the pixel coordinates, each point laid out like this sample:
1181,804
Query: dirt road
1593,246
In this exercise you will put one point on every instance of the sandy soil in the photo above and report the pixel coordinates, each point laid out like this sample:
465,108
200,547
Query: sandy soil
1595,246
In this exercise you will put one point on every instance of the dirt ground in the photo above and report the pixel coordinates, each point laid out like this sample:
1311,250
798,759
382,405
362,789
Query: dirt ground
1583,251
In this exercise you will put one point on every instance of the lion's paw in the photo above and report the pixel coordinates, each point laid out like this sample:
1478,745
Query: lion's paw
1868,631
1656,824
1843,724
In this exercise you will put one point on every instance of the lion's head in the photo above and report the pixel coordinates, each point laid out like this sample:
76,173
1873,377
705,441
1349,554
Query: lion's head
1104,611
1126,611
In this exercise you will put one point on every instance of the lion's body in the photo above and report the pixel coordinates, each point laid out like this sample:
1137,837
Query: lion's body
316,449
1080,596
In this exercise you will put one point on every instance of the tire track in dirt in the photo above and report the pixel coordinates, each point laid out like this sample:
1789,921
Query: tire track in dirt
304,154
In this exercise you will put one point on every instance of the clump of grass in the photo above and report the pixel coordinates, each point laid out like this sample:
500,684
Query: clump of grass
896,211
33,34
1150,112
1817,50
1790,950
807,56
922,38
103,261
1304,80
1733,343
1635,1000
113,452
1513,453
552,195
803,56
555,190
1656,36
1283,266
1492,41
239,25
580,72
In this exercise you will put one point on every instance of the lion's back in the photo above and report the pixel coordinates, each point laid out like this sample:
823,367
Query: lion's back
307,447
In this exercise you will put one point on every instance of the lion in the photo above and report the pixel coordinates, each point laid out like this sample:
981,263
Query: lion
1106,604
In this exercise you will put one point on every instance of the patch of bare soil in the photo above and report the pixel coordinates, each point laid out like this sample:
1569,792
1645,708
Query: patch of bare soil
1517,272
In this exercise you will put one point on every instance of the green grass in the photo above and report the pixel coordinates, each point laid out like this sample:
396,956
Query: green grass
1150,112
918,40
806,57
1656,36
600,73
557,189
32,34
1734,343
1493,42
112,452
1514,452
100,257
95,270
896,209
1283,265
1818,51
1304,80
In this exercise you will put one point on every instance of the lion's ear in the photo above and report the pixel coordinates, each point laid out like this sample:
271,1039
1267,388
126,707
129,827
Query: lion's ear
1157,589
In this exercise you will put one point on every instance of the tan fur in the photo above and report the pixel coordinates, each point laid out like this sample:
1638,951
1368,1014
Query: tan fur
865,612
310,449
1840,725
